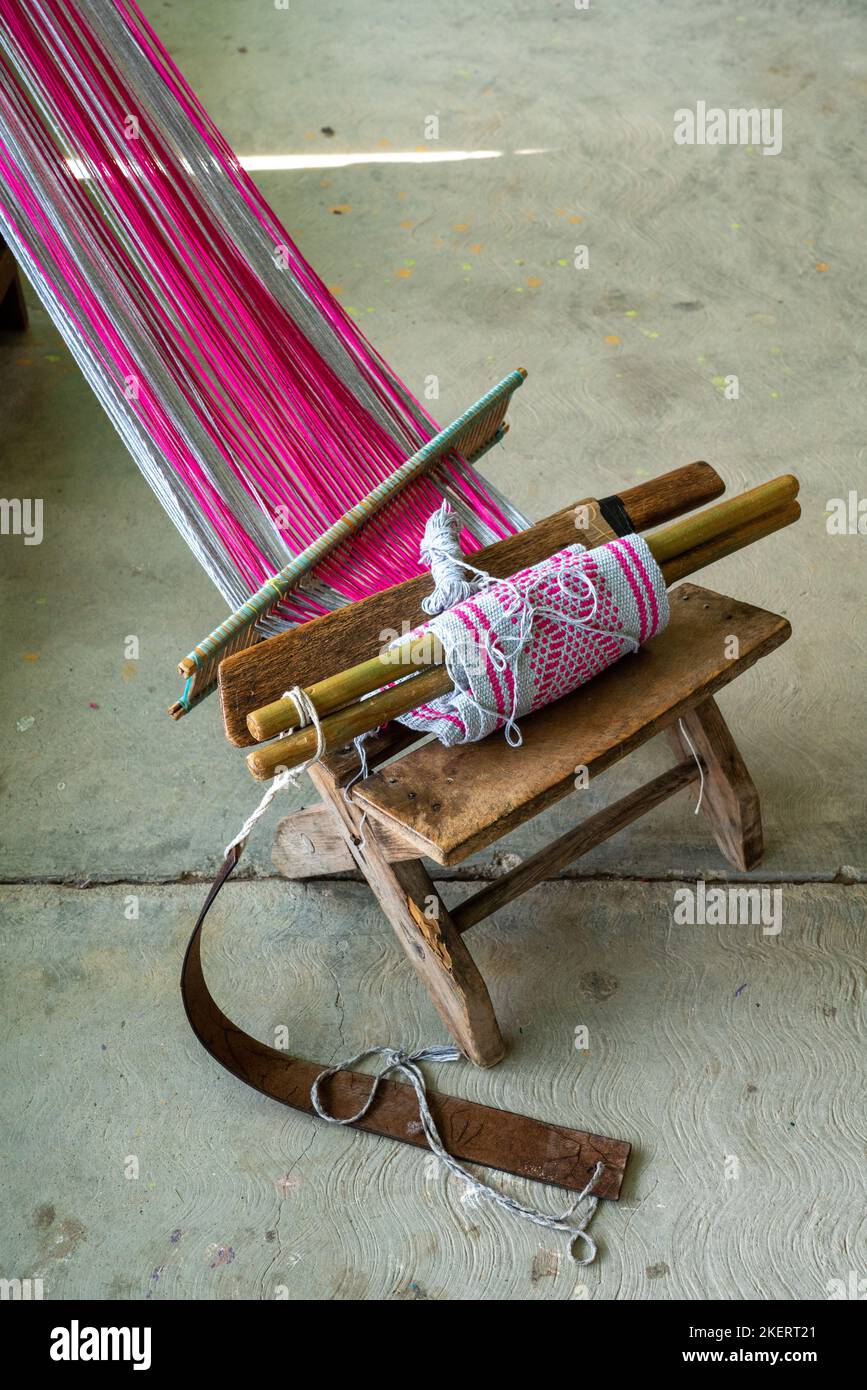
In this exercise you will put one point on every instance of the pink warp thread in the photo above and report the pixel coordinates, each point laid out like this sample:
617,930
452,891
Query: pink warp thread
128,231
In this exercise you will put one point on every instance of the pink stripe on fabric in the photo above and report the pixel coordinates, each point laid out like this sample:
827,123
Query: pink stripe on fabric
435,715
648,583
482,622
622,560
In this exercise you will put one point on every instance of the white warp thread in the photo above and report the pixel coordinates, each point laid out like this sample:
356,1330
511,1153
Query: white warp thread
406,1065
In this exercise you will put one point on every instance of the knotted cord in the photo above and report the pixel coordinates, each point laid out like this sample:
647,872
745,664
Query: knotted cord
406,1064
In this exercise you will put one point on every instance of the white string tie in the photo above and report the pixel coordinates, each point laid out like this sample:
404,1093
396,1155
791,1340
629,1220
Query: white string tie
285,777
699,764
406,1065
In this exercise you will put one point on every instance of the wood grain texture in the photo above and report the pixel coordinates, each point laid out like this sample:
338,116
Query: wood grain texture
730,801
259,675
450,802
671,494
307,844
569,847
424,929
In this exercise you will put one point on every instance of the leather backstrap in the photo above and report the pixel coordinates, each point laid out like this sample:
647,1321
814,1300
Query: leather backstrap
471,1132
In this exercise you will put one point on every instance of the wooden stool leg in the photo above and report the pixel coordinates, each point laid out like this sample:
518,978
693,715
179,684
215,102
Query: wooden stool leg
424,929
730,802
308,844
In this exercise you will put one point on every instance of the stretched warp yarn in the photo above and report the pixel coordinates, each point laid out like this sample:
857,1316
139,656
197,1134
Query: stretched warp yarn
520,643
248,397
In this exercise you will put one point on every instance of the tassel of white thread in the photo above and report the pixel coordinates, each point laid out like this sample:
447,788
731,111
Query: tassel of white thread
441,552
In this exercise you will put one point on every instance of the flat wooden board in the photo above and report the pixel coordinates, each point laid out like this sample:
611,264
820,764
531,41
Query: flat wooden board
450,802
307,844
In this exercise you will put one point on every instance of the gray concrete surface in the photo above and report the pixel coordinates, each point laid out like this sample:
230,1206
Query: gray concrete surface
732,1060
703,262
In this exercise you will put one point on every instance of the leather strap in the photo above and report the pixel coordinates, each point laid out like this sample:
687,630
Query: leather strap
474,1133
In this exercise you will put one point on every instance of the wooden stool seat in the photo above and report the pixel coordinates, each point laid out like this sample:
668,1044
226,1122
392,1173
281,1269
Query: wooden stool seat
447,803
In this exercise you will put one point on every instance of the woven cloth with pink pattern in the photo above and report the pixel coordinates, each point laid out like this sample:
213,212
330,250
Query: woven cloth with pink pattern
520,643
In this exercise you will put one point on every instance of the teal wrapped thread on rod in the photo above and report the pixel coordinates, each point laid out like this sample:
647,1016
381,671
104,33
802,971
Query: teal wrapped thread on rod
471,435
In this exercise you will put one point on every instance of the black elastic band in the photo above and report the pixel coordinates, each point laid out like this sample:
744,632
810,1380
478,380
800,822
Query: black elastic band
618,518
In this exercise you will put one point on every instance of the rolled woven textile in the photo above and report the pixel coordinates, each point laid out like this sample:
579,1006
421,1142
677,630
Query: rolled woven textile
524,641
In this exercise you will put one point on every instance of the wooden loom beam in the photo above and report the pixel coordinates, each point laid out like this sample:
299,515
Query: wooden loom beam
258,675
753,514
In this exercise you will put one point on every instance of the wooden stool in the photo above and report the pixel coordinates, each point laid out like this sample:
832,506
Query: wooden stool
446,803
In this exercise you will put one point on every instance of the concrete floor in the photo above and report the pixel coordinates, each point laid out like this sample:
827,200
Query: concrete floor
703,262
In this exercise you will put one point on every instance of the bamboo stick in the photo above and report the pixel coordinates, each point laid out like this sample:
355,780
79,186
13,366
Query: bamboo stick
712,542
334,692
679,566
341,728
647,504
693,530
